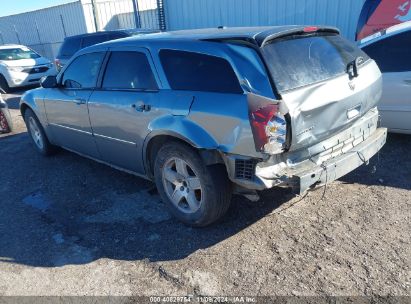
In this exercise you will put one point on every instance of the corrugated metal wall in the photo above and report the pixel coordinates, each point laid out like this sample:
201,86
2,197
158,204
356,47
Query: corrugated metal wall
117,14
186,14
43,30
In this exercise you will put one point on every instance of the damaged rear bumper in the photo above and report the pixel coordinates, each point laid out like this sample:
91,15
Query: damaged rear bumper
364,141
308,177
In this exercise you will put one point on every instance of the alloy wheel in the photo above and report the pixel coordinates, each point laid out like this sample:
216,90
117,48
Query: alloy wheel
182,185
36,133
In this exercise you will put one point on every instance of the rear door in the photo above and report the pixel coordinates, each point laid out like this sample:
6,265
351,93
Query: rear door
310,72
393,56
66,106
122,108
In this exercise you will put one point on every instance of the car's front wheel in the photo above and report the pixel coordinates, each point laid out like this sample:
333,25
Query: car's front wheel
196,194
37,134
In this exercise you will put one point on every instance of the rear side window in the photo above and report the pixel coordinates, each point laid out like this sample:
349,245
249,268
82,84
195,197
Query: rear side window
392,54
190,71
69,47
129,70
83,71
297,61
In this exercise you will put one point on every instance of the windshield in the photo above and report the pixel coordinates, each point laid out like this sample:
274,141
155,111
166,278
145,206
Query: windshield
297,61
17,54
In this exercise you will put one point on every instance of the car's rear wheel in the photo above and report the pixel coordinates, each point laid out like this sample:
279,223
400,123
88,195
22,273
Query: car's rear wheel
37,134
196,194
4,86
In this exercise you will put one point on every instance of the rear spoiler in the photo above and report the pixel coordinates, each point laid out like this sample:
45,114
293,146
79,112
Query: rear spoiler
265,37
262,38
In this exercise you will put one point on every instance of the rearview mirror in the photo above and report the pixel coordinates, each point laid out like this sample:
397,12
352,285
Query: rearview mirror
48,82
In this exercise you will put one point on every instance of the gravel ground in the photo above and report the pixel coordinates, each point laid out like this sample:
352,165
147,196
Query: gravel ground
71,226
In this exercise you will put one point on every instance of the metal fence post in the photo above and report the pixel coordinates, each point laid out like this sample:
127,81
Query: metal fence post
63,26
17,33
136,11
161,15
38,36
95,16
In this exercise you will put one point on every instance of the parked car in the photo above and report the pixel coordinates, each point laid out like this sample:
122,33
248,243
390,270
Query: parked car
21,66
377,15
5,118
207,112
391,50
74,43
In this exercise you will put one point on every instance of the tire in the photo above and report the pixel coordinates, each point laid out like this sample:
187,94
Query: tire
6,125
37,134
4,86
181,177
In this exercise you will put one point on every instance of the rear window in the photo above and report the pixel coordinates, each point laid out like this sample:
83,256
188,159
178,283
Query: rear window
69,47
92,40
297,61
190,71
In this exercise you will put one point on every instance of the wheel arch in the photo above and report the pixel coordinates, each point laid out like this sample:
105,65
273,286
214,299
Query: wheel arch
156,139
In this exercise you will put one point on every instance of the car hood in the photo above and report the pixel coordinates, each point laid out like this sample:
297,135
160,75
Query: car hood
25,62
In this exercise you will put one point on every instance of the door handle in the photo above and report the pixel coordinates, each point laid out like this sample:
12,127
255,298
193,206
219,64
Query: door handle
142,107
80,101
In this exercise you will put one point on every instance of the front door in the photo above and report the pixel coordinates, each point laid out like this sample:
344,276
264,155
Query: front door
66,106
121,110
395,103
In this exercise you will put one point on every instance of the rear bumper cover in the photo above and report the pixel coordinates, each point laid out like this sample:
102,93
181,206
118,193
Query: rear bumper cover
334,168
309,174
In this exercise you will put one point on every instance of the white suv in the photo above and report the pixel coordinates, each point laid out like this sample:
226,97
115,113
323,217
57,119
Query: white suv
21,66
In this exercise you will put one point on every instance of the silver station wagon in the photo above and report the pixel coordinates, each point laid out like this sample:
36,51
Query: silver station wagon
207,113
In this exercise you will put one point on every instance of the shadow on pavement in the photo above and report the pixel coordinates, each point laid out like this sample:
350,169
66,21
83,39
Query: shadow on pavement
66,209
391,167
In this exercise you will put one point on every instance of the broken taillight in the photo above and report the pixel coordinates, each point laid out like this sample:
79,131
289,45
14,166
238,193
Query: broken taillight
269,129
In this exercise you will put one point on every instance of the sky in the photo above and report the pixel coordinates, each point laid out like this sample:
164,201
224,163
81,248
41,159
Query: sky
21,6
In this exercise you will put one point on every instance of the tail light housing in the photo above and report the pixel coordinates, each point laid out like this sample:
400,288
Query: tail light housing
269,128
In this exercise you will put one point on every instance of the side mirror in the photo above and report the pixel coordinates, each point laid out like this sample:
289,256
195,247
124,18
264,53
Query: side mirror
48,82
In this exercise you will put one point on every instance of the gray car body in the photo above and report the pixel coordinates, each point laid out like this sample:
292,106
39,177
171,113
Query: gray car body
107,128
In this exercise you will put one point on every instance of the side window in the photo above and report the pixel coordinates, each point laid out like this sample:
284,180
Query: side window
392,54
198,72
129,70
83,71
